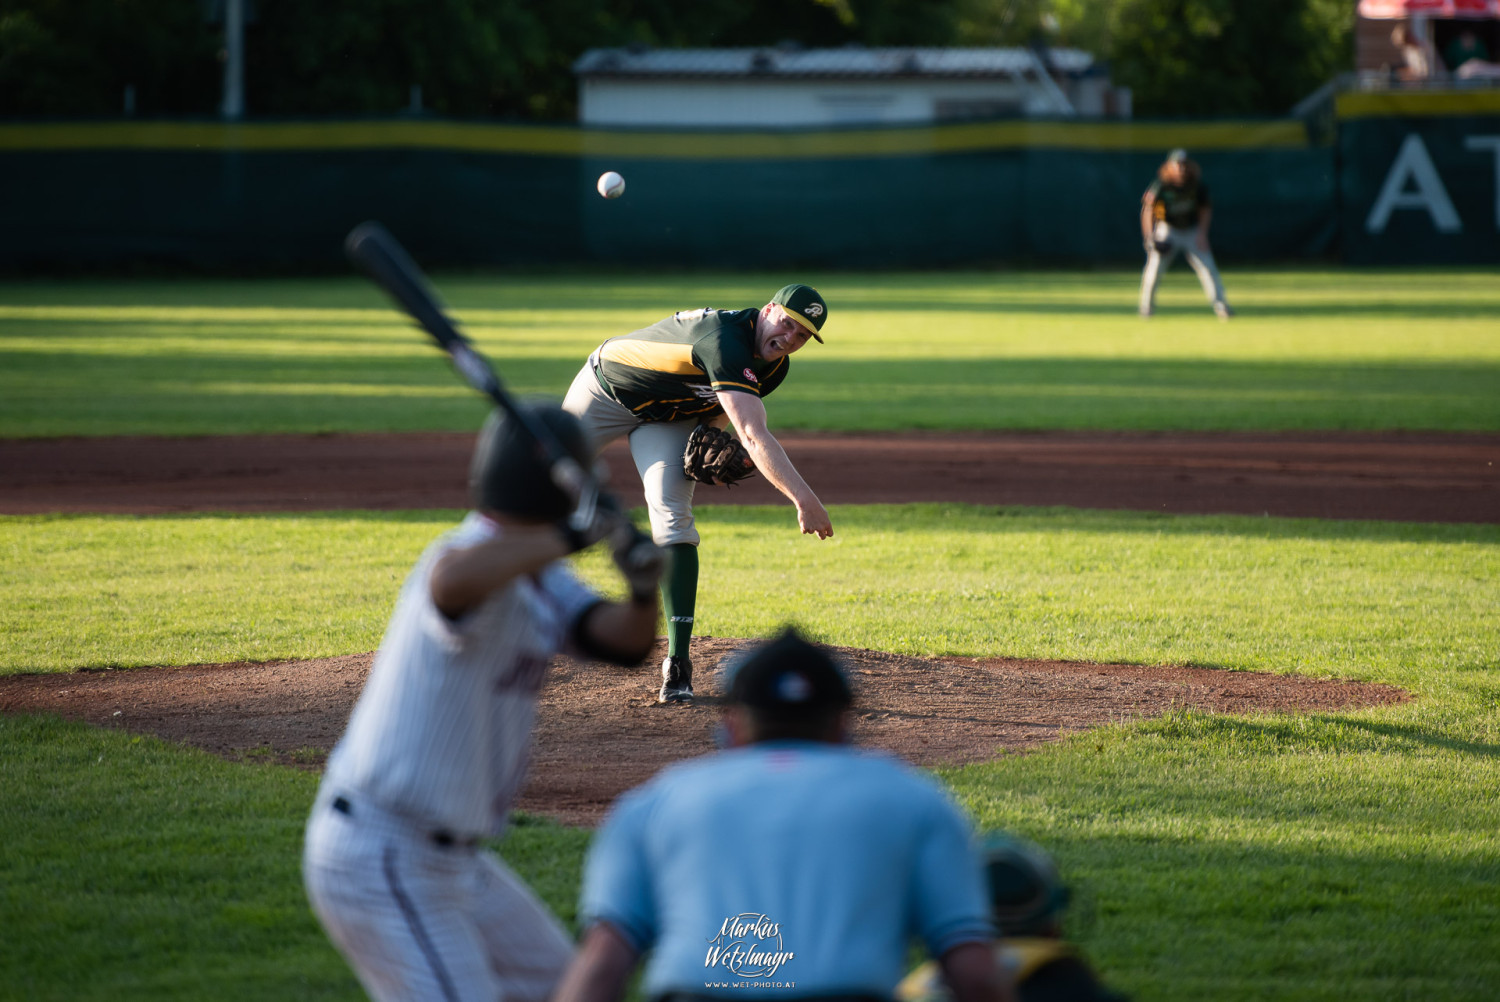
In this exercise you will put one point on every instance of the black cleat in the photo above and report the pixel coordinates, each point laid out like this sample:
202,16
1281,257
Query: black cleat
676,680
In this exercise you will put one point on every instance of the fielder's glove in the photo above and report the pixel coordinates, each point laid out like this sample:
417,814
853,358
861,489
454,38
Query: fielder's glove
641,563
1160,246
713,456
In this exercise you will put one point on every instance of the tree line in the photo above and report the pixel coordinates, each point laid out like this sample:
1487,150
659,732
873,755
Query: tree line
513,58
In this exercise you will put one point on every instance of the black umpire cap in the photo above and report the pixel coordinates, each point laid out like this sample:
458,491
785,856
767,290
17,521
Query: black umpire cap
788,676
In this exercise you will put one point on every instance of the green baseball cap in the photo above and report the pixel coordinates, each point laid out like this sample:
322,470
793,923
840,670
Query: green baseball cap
804,303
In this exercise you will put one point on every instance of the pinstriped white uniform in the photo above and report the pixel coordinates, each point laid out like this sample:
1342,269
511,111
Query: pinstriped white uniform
437,746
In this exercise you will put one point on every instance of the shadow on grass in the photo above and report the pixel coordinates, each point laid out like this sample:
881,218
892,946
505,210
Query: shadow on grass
1267,922
1409,734
1017,519
1335,732
936,517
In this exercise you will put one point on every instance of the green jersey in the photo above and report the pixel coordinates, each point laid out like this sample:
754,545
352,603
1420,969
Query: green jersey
672,370
1178,204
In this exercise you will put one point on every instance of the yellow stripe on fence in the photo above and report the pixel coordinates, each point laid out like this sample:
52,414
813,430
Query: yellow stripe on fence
568,141
1417,104
289,136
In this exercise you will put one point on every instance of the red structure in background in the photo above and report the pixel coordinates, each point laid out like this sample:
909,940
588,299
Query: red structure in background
1386,10
1433,23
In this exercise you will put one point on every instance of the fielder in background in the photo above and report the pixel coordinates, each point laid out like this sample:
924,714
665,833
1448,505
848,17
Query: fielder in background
1175,214
437,745
656,385
1027,901
790,865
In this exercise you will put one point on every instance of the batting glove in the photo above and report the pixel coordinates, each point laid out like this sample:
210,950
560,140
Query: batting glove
608,521
641,563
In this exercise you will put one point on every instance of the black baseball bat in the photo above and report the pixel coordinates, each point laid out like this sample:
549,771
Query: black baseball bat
373,249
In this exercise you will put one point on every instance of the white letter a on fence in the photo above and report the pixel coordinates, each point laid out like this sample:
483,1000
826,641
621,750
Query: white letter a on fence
1413,164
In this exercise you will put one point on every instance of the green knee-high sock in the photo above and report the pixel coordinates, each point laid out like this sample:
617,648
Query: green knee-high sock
679,595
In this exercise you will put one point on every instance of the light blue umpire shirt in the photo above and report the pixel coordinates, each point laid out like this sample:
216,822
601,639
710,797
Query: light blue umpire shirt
786,868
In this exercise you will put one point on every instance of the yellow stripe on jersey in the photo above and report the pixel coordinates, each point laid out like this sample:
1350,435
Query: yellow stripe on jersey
744,386
710,405
654,356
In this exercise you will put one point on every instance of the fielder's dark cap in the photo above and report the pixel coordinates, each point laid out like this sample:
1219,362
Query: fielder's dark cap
804,303
509,471
790,677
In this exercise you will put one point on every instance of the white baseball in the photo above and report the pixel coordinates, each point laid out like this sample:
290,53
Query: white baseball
611,184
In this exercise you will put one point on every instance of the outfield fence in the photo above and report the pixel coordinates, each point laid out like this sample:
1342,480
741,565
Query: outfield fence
280,195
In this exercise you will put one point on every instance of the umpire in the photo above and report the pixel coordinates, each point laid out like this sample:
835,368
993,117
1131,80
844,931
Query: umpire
1175,213
789,865
656,385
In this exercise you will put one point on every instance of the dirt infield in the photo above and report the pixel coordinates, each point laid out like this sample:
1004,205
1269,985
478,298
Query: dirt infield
599,730
1405,477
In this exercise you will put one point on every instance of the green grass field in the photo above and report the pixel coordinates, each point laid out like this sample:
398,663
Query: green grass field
1011,350
1325,856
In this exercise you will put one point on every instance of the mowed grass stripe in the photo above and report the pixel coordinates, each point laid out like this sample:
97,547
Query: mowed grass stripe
1310,350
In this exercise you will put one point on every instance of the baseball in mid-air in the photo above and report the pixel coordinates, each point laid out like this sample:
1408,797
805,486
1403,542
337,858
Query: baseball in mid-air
611,184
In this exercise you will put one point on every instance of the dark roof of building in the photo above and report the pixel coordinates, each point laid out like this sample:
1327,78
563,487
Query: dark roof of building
785,62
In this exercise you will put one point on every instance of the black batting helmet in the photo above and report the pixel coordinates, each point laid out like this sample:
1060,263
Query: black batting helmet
509,472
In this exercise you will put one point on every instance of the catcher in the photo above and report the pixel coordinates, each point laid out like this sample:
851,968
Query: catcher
673,388
1027,899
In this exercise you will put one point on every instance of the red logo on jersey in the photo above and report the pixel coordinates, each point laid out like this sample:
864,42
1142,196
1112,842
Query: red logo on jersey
751,376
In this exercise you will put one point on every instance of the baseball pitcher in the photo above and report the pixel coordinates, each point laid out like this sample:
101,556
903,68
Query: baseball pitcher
658,386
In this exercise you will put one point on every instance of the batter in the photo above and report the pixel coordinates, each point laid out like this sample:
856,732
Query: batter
437,745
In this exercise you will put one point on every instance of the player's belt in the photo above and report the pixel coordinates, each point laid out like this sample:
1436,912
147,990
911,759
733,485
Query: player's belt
609,391
439,837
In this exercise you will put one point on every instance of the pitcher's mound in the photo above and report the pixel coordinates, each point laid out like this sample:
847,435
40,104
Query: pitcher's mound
600,731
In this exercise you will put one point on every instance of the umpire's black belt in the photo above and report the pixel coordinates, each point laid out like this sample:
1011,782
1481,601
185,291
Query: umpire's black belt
696,997
440,837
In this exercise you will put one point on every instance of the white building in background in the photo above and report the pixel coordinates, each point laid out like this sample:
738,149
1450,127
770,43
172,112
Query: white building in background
792,87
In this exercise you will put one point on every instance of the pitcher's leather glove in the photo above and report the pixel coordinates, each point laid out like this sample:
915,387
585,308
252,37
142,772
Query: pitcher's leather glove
713,456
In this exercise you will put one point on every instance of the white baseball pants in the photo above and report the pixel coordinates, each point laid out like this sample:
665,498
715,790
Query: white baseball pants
417,920
1202,261
656,447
